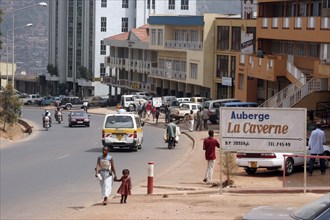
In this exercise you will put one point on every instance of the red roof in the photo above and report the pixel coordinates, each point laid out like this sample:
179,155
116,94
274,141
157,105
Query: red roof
141,33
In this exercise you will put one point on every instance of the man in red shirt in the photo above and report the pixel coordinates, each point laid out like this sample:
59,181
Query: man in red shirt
209,146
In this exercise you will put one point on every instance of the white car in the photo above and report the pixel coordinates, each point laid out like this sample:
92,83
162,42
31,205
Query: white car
272,161
184,110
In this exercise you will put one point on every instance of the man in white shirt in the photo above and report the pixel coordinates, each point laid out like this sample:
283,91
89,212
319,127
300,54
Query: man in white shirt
315,144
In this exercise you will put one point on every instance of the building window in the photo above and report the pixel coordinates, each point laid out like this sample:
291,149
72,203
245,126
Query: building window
326,3
236,38
153,36
222,92
232,66
124,25
104,3
240,81
103,48
222,66
184,4
160,37
223,38
103,24
152,2
102,69
193,70
314,50
124,3
171,4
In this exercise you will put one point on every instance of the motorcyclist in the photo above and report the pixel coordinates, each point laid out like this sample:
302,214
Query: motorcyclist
48,114
171,131
57,112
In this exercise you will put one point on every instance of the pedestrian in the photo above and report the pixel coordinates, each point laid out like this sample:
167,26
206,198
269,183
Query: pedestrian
209,147
315,144
205,118
85,106
153,112
105,170
125,187
167,115
260,53
199,120
148,109
191,120
157,115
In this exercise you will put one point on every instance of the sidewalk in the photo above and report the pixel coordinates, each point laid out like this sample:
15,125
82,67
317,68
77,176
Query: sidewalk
193,165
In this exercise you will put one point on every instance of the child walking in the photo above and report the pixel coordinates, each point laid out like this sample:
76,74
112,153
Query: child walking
125,187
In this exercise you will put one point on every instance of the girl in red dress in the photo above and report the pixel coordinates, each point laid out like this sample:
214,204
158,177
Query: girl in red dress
125,187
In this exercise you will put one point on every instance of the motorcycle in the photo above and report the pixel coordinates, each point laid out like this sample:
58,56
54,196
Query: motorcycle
46,122
171,143
58,116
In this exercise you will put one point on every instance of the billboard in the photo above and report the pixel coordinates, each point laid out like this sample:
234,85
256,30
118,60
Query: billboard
263,129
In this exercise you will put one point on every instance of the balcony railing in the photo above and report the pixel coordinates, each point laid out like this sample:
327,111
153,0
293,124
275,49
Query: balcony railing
187,45
168,74
264,68
317,23
128,84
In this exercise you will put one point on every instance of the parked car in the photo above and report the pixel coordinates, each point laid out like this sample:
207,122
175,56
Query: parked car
199,100
68,102
30,99
183,99
184,110
272,161
78,118
97,101
213,106
48,100
318,209
147,95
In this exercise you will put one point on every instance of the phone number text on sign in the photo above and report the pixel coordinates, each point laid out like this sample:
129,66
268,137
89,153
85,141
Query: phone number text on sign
263,129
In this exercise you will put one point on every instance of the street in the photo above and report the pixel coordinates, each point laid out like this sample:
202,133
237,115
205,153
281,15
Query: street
52,171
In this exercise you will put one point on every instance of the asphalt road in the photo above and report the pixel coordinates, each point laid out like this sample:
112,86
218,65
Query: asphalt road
52,172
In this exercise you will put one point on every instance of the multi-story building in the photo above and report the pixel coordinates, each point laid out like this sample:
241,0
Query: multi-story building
233,37
295,39
77,29
173,55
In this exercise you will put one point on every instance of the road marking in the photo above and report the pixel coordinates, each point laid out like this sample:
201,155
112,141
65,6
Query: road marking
64,156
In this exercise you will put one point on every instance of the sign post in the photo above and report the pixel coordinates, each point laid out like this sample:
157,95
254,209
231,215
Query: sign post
263,130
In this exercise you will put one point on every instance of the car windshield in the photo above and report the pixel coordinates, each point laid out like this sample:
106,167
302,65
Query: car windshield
313,209
119,121
78,114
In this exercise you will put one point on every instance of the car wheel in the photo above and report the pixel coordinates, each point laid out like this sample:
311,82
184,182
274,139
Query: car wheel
87,125
70,125
250,171
135,149
139,147
68,107
29,103
288,166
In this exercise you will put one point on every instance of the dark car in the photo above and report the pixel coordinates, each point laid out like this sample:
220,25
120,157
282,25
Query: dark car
318,209
79,118
97,101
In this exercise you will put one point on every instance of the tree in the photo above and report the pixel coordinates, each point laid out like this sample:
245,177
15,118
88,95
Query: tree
52,70
85,73
229,167
10,106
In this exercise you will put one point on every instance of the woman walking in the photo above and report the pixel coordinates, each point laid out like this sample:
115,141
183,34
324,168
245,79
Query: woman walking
105,171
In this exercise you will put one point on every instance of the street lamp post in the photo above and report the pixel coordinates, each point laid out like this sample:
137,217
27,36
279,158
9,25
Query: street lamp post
43,4
27,25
